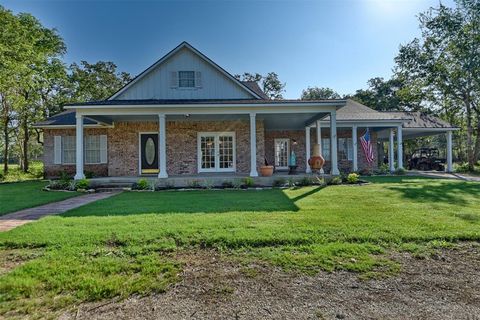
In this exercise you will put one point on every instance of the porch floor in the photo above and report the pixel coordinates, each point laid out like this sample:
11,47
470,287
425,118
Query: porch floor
210,179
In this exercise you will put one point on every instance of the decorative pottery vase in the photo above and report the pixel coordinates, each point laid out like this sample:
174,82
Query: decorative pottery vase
266,171
316,162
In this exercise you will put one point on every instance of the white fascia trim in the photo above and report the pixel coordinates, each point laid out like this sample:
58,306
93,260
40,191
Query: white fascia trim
171,53
207,111
70,126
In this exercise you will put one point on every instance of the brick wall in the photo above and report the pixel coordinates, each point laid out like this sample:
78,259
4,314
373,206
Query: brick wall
299,137
52,170
123,152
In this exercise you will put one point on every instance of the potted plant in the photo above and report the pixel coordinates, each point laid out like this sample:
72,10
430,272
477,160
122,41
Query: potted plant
266,170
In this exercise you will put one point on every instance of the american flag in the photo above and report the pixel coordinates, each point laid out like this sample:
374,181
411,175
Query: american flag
367,146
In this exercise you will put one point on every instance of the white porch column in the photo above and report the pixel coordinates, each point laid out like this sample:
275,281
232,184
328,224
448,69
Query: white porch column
79,147
307,149
399,147
162,146
333,143
390,152
319,141
355,147
253,145
449,152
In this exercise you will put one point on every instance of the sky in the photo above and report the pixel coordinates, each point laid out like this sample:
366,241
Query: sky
327,43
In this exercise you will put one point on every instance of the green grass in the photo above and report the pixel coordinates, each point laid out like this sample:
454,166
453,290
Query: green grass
16,174
20,195
128,244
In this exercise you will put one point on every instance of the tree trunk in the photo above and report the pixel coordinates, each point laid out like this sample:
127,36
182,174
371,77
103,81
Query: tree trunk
470,148
476,153
7,142
26,138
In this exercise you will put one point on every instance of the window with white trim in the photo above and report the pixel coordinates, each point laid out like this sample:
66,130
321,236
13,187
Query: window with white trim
92,149
345,149
186,79
68,150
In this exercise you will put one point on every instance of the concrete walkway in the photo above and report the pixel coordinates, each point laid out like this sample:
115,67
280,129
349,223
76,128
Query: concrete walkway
445,175
15,219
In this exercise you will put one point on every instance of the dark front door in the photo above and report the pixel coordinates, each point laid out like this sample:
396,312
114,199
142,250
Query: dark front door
149,153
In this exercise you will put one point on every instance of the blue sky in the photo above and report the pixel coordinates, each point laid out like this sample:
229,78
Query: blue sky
338,44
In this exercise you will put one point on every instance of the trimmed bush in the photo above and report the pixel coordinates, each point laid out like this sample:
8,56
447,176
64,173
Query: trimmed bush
82,184
353,178
248,182
141,184
400,171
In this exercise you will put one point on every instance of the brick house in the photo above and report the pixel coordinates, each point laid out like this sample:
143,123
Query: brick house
187,116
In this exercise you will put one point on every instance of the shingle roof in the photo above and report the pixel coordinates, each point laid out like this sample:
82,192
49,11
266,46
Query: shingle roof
420,120
253,85
65,118
354,111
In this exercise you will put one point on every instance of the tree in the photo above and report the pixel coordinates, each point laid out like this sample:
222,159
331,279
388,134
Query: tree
317,93
388,95
446,60
26,49
270,83
97,81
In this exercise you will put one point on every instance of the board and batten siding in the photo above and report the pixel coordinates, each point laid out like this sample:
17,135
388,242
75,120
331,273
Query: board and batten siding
157,83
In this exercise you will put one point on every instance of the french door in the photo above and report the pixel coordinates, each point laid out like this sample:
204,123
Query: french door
282,152
216,152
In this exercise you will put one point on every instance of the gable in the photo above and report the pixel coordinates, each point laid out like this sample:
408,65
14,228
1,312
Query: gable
161,80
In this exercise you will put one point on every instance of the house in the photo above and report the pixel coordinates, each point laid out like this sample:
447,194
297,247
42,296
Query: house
187,116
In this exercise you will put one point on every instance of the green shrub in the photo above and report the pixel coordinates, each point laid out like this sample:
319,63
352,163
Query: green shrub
353,178
2,176
72,185
194,184
305,181
237,184
57,185
280,182
65,177
82,184
141,184
383,169
334,181
400,171
248,182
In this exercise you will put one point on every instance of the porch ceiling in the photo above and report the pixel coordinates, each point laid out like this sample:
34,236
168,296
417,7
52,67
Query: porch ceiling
412,133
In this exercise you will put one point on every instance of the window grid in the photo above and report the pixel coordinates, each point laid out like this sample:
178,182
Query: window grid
226,152
68,150
281,153
208,152
186,79
91,149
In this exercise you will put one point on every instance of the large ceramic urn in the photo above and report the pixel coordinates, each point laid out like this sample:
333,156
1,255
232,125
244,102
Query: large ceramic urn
316,162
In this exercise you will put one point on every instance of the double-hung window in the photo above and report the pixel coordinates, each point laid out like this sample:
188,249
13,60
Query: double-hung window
92,149
68,150
186,79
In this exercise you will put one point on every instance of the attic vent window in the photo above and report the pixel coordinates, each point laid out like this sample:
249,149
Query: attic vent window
186,79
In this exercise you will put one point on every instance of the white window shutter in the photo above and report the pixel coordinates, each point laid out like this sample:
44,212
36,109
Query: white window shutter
173,79
103,149
198,79
57,149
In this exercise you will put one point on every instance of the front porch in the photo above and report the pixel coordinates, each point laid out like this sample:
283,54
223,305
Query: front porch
204,180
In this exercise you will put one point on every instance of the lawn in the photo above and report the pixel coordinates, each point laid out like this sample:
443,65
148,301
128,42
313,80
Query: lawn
15,173
20,195
128,244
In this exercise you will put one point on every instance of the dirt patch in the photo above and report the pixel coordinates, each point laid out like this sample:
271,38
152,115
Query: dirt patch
13,258
445,285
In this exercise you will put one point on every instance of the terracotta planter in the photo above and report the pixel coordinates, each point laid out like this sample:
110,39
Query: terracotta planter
266,171
316,162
